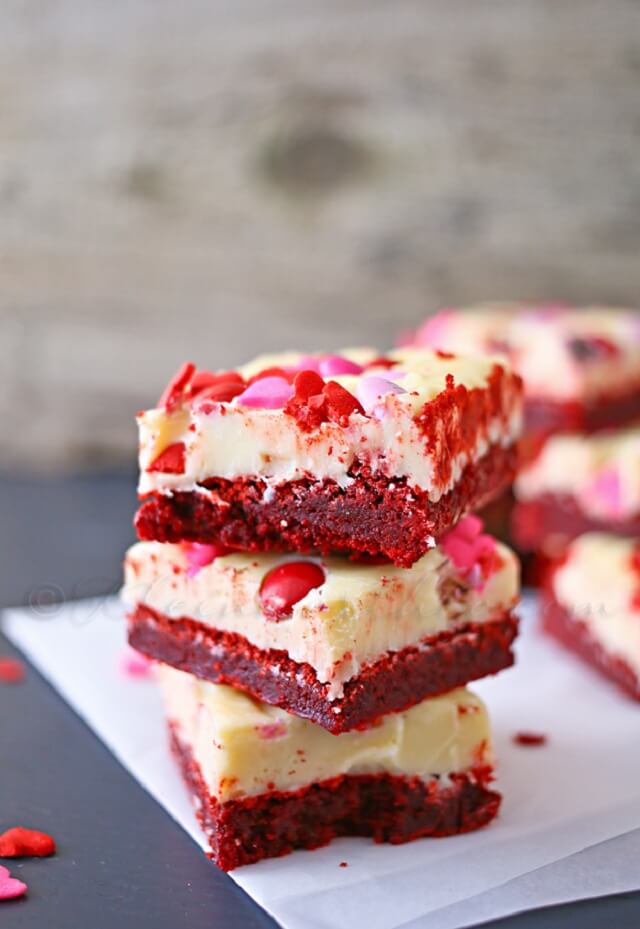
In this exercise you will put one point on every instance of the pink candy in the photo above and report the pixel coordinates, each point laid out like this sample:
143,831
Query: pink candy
269,393
10,887
371,391
331,365
435,329
607,489
471,551
133,664
199,555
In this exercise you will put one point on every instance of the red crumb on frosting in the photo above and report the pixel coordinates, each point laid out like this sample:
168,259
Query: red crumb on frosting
315,402
171,460
12,671
530,739
10,887
286,585
26,843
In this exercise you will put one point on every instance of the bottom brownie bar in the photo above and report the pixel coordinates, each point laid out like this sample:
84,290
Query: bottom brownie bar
591,603
265,783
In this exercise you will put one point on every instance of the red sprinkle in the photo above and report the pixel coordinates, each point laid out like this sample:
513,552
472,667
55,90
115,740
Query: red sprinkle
175,392
171,460
286,585
26,843
344,864
12,671
530,738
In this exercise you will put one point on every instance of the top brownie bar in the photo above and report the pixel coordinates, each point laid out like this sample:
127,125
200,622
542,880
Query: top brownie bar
581,366
352,452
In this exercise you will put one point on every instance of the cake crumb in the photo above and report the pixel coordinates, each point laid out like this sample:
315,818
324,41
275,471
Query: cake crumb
344,864
530,739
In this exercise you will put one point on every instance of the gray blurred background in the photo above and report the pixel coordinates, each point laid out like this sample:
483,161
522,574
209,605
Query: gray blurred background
207,180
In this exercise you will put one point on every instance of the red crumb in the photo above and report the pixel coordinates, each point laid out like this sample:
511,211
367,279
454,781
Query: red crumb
530,738
12,671
171,460
344,864
10,887
26,843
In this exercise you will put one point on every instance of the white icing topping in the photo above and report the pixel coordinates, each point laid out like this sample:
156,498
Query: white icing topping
602,472
537,340
357,615
245,748
231,441
597,585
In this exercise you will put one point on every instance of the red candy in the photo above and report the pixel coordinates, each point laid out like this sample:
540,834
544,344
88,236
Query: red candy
11,670
307,384
340,403
171,460
222,392
176,390
10,887
286,585
26,843
530,739
272,372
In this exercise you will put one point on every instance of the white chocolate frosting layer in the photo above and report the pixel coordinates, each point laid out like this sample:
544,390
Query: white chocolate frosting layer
245,748
358,614
598,584
601,472
537,340
231,441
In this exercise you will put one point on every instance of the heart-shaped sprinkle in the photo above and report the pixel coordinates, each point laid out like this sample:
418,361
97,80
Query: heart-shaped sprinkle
472,552
332,365
286,585
10,887
372,390
269,393
12,671
26,843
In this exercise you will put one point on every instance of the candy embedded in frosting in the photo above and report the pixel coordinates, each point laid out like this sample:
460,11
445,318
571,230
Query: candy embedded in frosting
372,390
332,365
286,585
268,393
200,554
472,552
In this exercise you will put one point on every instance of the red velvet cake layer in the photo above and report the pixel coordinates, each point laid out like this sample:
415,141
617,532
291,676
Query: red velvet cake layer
394,683
375,514
381,806
575,635
544,417
560,516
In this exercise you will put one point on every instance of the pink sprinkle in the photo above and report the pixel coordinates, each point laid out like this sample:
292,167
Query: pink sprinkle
133,664
371,390
10,887
272,730
606,487
201,554
471,551
269,393
435,329
331,365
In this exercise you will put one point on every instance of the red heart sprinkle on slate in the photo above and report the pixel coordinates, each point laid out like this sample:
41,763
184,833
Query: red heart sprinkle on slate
12,671
286,585
26,843
171,460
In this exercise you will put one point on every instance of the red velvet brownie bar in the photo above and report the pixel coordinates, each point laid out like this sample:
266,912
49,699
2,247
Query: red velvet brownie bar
578,484
592,605
337,642
581,367
328,453
265,783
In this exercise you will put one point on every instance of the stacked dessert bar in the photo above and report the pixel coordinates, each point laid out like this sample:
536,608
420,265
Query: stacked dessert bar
317,596
577,497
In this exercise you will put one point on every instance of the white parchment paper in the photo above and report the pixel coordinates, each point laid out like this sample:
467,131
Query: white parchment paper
581,788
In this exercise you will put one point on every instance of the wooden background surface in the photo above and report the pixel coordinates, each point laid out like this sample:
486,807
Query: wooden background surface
206,179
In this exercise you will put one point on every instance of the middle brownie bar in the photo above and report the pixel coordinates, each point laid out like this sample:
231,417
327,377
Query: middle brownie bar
336,642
